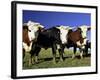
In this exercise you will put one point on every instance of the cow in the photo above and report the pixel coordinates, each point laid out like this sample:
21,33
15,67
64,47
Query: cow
63,37
77,38
49,38
30,34
85,44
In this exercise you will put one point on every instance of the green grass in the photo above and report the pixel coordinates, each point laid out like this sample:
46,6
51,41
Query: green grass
45,60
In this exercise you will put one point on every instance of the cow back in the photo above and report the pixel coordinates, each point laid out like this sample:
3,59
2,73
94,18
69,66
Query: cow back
48,37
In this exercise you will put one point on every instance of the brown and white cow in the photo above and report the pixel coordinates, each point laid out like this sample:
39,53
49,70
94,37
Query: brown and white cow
74,39
79,38
30,34
84,30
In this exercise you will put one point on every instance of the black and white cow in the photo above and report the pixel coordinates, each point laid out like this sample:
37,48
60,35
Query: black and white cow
48,38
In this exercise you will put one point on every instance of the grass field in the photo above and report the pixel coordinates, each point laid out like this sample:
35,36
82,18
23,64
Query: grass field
45,60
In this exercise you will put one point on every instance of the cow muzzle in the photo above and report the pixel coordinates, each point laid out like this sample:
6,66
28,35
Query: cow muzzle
35,40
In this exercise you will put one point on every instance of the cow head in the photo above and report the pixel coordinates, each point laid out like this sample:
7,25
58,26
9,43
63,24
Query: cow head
33,28
84,30
63,33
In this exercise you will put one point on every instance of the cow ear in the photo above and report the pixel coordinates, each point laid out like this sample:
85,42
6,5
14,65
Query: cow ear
79,28
58,27
89,28
29,22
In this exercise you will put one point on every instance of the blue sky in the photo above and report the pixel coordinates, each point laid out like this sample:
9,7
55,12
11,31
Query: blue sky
49,19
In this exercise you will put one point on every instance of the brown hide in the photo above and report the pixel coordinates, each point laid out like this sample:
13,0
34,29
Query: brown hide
75,36
25,35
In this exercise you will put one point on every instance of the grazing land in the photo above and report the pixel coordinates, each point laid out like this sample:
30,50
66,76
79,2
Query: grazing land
45,60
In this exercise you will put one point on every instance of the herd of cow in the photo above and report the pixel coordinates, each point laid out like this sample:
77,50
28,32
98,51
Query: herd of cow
35,37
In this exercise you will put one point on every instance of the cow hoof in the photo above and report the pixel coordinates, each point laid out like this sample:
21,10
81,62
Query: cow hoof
54,62
29,64
73,56
33,63
61,60
36,61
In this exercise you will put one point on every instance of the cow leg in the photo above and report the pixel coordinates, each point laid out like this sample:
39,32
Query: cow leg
32,57
32,54
61,54
23,53
30,60
81,53
54,53
37,53
61,51
86,50
75,48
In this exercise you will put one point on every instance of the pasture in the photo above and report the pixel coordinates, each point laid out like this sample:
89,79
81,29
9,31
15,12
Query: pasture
45,60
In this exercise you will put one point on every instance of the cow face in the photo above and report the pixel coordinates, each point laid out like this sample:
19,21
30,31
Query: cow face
84,30
33,28
63,33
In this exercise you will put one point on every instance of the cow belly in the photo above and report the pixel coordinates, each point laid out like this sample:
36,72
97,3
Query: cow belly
26,47
44,43
45,46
